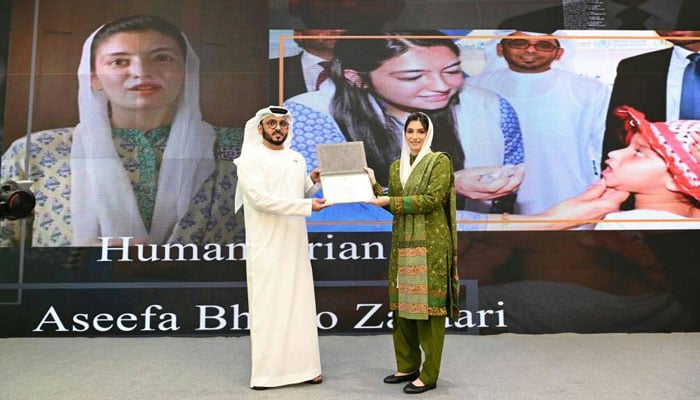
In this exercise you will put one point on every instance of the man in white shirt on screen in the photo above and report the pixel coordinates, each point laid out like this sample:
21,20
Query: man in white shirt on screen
562,117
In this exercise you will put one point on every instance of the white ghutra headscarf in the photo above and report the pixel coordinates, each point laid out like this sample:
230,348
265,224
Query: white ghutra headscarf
405,166
103,203
252,138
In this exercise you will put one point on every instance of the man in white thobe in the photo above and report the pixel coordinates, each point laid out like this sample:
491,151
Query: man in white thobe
561,114
272,186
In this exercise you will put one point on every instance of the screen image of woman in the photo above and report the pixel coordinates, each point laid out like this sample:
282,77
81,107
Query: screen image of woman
379,80
141,162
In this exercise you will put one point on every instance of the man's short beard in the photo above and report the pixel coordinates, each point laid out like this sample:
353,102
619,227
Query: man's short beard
269,138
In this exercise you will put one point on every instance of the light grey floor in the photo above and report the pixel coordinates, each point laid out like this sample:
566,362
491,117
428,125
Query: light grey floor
507,366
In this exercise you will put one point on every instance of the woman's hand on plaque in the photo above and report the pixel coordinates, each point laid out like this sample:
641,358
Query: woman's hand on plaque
380,201
370,172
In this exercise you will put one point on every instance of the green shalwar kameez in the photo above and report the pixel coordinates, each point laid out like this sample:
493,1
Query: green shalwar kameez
423,279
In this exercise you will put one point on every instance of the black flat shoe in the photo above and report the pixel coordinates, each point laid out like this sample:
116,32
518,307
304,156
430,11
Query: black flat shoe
413,389
402,378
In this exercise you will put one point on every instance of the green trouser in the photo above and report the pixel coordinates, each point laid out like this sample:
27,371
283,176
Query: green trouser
410,335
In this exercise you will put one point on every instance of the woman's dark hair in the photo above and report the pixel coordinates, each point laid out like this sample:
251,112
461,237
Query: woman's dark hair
354,111
417,116
137,23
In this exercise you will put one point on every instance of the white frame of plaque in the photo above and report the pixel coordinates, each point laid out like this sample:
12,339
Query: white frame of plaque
343,175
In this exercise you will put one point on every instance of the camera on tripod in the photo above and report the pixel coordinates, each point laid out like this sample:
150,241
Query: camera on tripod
16,200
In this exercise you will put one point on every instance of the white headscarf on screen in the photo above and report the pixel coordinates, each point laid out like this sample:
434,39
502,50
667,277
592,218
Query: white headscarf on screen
494,62
405,165
103,203
252,138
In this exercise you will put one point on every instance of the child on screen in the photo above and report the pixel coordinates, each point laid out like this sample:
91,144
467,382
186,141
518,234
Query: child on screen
658,167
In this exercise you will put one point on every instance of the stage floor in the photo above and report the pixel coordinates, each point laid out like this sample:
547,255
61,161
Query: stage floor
499,367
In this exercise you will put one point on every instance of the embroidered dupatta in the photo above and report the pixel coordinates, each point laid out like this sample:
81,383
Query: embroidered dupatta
415,297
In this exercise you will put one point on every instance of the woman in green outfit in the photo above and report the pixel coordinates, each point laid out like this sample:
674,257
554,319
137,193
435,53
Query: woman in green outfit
423,279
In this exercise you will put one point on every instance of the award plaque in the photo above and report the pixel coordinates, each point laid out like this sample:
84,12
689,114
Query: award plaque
343,175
